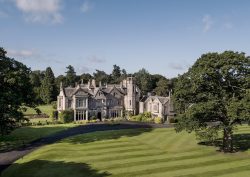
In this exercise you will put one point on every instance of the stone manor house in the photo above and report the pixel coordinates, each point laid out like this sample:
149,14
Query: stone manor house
109,101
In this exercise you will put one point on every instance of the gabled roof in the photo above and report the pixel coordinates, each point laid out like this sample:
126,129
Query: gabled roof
69,91
163,100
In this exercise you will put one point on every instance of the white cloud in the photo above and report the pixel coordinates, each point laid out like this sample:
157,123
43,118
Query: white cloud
83,69
41,11
86,6
95,59
20,53
178,66
207,23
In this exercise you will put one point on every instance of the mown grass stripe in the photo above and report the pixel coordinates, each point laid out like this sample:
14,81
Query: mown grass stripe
124,156
153,157
176,167
153,161
115,151
220,172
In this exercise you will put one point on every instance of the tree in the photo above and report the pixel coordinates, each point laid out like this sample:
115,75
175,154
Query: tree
15,91
58,80
36,78
70,76
85,77
48,87
143,80
216,88
116,74
162,87
101,76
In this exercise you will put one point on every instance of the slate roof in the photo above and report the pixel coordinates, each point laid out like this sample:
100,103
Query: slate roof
162,99
70,91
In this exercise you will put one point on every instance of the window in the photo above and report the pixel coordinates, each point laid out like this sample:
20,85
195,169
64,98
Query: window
80,115
130,102
81,102
156,107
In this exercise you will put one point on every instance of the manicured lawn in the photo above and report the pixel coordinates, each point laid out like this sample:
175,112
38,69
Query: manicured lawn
24,135
46,109
137,152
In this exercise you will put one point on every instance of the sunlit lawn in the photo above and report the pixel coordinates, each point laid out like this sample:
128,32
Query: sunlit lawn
136,152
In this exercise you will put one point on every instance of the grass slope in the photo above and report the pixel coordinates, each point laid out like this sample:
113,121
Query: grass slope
46,109
24,135
130,153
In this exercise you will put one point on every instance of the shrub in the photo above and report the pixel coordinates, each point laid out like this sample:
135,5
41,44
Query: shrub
119,119
158,120
93,118
172,120
38,111
66,116
54,115
147,115
136,118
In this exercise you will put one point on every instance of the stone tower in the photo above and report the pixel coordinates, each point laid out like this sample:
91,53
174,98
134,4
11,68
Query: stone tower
130,98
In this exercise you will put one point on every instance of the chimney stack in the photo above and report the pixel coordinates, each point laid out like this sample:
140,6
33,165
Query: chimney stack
93,83
89,84
61,86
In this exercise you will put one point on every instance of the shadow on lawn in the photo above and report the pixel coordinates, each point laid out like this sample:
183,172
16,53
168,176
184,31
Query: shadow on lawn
241,142
112,134
24,135
52,169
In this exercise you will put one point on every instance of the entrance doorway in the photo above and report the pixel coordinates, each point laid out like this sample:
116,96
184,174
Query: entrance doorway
99,116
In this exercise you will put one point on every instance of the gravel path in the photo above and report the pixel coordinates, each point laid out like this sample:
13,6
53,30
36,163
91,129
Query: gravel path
7,158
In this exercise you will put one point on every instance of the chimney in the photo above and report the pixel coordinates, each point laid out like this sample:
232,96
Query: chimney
89,84
100,84
61,86
93,83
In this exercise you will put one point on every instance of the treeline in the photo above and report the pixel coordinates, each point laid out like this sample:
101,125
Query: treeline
46,86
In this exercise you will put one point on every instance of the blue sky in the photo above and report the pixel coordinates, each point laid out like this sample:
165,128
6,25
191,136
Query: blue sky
163,36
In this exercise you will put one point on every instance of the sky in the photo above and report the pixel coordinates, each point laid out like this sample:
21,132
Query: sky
163,36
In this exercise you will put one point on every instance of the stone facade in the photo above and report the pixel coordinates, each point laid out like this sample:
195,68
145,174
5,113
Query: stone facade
104,101
158,106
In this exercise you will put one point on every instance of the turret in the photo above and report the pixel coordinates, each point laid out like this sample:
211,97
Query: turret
130,98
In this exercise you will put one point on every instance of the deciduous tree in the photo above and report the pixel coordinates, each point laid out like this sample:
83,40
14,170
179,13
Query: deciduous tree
216,88
15,91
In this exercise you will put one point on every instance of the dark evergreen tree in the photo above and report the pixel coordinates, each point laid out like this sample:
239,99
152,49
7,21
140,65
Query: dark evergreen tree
70,76
48,87
36,78
85,77
101,76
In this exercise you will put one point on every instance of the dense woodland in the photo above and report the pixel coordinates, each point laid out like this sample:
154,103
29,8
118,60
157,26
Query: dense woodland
46,86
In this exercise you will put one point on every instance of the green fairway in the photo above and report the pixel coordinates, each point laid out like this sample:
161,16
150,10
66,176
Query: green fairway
24,135
137,152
